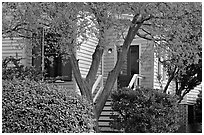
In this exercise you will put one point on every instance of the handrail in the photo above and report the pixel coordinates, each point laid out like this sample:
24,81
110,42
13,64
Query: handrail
98,80
134,80
97,94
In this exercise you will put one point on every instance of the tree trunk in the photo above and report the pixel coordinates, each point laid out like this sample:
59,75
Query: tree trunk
96,59
112,76
84,87
96,128
169,80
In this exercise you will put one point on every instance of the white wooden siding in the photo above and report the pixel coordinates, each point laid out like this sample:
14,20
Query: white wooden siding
13,47
84,55
110,58
146,62
160,85
191,97
16,47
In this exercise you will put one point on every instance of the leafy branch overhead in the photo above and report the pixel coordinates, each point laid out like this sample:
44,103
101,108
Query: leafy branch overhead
174,28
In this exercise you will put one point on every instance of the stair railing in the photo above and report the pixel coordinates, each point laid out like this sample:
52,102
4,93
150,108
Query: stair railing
134,81
98,81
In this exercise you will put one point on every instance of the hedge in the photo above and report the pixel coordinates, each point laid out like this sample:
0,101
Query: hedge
144,111
18,71
37,107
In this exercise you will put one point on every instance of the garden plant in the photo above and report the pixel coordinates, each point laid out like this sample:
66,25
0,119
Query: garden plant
144,111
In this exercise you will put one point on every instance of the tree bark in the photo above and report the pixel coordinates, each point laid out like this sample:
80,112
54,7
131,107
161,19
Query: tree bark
96,128
184,93
96,59
169,80
112,76
84,87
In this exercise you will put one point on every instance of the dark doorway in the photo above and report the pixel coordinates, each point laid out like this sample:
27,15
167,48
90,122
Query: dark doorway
130,67
132,60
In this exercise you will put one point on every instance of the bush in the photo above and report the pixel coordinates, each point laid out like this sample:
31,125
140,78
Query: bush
144,110
18,70
33,107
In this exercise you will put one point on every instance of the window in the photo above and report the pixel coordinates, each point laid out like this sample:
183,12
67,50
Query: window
56,65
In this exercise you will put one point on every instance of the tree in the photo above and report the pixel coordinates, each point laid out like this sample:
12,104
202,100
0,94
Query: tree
149,21
184,57
188,79
179,41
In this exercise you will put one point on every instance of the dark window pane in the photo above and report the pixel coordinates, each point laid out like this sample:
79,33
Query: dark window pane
56,66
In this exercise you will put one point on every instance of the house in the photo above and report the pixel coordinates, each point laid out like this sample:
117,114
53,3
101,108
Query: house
140,69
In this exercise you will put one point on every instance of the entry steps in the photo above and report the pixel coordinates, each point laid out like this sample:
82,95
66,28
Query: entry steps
105,119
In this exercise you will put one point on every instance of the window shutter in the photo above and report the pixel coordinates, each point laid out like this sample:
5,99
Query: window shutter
66,69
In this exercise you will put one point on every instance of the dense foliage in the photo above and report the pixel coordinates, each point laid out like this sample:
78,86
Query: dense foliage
189,78
12,68
182,38
144,110
33,107
173,26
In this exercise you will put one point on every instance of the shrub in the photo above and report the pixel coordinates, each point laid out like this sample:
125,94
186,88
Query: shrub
144,110
33,107
18,70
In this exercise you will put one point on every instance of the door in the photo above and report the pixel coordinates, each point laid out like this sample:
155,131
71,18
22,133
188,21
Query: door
130,67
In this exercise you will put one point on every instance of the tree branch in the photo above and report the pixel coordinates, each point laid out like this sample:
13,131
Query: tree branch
144,36
16,28
27,37
147,24
170,79
97,55
94,11
112,76
80,81
183,95
147,18
96,59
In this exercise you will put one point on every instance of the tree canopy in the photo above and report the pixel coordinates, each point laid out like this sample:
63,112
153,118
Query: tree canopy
173,27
